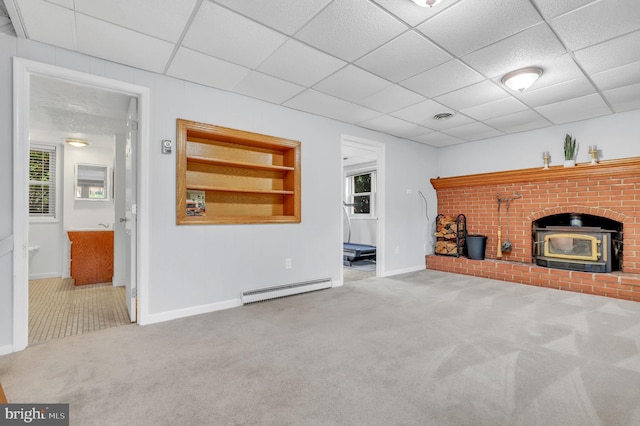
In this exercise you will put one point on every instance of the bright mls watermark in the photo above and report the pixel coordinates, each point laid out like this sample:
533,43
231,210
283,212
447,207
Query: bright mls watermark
34,414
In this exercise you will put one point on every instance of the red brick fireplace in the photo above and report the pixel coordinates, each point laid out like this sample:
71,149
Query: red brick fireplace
610,189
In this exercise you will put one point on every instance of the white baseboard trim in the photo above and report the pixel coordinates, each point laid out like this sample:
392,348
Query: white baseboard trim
337,283
404,271
45,275
6,349
187,312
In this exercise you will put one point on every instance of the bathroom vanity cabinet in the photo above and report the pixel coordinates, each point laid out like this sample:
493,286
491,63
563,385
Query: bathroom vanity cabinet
91,256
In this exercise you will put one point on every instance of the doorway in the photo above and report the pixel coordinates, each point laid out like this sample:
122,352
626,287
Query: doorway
363,173
120,134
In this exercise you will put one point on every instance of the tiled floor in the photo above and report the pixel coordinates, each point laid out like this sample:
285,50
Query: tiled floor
57,308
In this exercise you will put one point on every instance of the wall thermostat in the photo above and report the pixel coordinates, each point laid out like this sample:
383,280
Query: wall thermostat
166,146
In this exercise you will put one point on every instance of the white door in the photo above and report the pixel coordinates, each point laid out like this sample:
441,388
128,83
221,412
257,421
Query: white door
130,218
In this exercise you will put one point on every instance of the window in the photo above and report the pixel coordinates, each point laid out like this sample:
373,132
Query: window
42,182
361,193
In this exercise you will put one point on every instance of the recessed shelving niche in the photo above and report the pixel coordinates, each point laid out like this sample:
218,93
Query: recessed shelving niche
227,176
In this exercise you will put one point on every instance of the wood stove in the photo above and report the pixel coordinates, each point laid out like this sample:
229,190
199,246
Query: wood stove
579,248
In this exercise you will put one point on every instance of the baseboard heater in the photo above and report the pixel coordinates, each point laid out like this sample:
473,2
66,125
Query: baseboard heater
261,294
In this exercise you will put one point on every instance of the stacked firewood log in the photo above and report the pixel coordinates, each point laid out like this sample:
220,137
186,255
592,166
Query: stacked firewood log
446,233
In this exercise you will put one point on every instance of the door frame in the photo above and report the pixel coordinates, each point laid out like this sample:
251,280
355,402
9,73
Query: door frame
22,71
379,149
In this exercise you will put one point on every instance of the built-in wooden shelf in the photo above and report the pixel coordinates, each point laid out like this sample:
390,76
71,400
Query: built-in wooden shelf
238,176
620,167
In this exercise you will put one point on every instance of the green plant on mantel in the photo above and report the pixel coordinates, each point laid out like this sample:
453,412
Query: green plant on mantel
570,147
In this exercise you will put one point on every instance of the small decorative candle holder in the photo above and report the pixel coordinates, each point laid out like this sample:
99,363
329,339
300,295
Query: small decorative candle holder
593,150
546,157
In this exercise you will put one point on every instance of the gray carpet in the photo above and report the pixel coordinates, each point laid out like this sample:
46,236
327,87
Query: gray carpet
363,265
425,348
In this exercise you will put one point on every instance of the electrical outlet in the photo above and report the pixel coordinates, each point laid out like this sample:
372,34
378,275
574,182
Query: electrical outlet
287,263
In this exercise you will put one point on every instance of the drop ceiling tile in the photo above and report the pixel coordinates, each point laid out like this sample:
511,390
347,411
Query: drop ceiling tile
412,131
199,68
411,13
518,122
422,112
473,132
349,29
64,3
352,84
530,47
618,77
470,96
438,139
469,26
559,92
576,109
324,105
450,123
287,16
495,109
624,98
118,44
552,8
597,22
48,23
391,98
226,35
610,54
394,126
165,21
444,78
404,57
267,88
301,64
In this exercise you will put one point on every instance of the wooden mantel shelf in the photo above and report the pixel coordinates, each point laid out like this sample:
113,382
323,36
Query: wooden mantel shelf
619,167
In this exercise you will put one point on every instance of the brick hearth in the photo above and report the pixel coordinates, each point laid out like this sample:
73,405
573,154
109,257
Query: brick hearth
610,189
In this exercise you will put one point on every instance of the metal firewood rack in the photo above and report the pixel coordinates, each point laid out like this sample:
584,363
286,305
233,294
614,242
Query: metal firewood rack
452,242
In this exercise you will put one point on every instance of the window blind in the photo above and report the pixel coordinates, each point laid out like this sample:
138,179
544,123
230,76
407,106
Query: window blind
42,182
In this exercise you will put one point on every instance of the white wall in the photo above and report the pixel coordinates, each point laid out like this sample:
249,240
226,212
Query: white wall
615,135
7,48
196,267
79,214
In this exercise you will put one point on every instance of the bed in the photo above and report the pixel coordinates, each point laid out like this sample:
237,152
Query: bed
352,252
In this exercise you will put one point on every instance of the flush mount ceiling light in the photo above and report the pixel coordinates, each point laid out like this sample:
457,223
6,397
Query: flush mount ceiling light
522,79
426,3
78,143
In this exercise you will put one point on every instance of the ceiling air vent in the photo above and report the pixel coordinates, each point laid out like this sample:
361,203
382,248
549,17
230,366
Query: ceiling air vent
443,116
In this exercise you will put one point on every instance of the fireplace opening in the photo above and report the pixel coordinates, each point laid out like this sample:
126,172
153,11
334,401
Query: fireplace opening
580,242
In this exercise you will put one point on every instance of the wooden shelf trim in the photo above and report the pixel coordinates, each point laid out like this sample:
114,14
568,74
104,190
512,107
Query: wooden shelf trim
608,168
244,177
244,165
242,190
